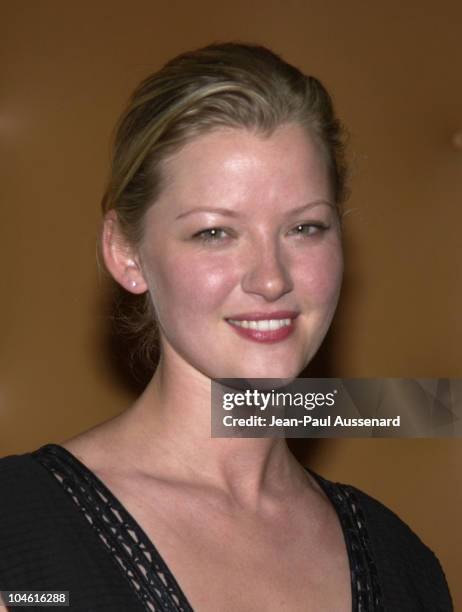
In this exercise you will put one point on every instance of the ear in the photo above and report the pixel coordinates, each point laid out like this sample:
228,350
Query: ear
120,257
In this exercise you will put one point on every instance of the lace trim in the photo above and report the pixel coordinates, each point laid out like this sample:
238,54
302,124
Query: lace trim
129,546
365,586
364,572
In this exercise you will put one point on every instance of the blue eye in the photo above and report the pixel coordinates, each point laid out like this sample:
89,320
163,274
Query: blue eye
212,234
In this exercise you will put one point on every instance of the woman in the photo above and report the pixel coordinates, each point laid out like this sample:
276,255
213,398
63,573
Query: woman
223,214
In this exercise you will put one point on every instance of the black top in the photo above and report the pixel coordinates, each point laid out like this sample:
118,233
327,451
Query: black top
62,529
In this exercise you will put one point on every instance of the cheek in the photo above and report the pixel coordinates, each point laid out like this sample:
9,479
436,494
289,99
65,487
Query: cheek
186,283
319,275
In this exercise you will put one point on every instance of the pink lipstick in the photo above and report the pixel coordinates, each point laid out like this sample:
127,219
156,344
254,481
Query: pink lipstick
265,327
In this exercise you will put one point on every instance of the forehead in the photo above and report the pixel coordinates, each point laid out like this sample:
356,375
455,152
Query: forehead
242,169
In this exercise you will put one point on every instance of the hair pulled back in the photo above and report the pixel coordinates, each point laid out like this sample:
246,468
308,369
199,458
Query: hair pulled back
222,85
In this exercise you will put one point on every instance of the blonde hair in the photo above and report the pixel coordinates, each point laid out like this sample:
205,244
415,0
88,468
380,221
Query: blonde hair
221,85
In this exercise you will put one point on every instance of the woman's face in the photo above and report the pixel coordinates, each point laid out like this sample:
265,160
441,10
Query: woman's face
242,254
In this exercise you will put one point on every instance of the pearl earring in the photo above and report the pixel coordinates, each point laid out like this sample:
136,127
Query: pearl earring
133,283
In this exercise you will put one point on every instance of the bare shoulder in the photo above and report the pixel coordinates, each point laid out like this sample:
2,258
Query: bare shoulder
94,446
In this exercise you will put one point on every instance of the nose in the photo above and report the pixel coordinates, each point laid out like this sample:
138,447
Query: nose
267,272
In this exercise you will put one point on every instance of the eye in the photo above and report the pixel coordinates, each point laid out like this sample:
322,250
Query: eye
308,229
212,234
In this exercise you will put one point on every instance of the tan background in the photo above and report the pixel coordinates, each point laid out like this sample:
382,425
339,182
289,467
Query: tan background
395,71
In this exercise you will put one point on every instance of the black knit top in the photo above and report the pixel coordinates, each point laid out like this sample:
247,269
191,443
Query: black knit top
62,529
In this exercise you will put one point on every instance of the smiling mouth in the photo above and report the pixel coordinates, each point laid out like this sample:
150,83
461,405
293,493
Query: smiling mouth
265,325
263,330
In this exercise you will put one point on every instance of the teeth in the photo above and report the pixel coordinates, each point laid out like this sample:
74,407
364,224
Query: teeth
267,325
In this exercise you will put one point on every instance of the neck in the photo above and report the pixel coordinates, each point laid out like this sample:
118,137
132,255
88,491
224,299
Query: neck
168,432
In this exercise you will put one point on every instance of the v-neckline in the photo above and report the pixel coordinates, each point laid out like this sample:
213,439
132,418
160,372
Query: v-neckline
70,470
68,467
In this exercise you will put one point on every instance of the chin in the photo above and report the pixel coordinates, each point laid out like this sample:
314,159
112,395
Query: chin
277,372
269,384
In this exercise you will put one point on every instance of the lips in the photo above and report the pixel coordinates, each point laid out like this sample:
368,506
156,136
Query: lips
264,327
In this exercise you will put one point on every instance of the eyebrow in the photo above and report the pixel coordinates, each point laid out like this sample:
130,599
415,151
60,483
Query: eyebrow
232,213
220,211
